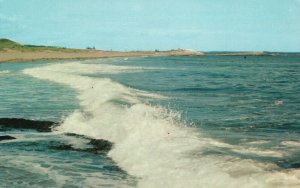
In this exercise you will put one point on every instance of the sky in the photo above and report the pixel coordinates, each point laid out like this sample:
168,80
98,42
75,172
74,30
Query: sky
202,25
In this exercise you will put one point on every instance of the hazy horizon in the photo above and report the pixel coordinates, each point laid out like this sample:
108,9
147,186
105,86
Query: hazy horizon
203,25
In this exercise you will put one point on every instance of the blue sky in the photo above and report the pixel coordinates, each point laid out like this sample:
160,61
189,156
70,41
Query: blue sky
204,25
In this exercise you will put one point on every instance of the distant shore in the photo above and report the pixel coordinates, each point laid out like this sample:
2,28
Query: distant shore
11,51
15,55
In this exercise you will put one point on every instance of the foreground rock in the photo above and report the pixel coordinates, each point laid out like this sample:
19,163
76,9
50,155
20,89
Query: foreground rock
100,146
20,123
6,137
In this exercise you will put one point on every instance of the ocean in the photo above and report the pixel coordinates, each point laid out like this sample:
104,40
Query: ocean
151,122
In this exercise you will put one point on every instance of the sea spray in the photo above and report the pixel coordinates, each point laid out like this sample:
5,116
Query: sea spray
150,142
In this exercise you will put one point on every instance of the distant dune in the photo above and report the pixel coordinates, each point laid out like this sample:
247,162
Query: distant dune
13,51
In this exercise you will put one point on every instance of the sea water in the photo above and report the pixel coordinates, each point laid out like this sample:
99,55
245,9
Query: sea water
210,121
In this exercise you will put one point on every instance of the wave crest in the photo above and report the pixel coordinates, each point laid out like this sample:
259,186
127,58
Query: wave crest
150,142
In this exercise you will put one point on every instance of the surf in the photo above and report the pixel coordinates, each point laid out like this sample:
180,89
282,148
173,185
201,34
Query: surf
151,142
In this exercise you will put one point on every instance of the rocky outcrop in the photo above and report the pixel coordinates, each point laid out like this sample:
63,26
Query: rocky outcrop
6,137
20,123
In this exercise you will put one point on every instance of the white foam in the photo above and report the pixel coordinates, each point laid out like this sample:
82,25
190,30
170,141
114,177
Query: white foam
150,141
258,142
259,152
4,72
291,143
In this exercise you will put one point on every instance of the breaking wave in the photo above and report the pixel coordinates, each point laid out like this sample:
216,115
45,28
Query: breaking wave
150,142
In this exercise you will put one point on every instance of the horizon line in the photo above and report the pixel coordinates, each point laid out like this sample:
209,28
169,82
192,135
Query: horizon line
205,51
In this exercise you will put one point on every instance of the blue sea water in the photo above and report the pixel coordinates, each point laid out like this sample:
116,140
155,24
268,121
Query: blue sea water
210,121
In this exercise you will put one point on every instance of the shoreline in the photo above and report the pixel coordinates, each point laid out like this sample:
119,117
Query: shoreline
11,51
11,55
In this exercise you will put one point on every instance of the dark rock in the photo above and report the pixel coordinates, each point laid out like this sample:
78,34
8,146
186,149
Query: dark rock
98,144
295,165
63,147
20,123
101,145
77,135
6,137
69,147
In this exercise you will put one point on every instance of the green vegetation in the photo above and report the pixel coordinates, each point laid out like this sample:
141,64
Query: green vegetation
6,44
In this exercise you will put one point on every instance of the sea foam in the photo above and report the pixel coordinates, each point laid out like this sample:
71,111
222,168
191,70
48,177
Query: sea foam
4,72
150,142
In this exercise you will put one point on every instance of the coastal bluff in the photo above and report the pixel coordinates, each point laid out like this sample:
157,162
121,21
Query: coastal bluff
13,51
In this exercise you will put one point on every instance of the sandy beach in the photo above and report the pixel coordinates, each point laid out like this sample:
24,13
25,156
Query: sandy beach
16,55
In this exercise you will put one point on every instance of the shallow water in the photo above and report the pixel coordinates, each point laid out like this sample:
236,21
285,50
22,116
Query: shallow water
173,122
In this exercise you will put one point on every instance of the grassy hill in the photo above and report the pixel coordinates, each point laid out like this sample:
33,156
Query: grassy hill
6,44
9,44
